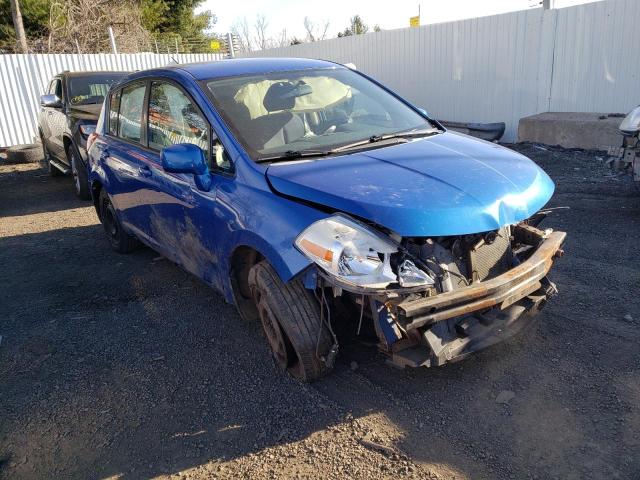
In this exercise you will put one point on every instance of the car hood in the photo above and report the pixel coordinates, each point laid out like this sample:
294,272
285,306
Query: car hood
448,184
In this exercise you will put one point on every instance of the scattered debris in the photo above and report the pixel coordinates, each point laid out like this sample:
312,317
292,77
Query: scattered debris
368,443
354,365
627,317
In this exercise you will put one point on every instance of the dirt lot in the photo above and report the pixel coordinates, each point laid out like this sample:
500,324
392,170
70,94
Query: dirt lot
126,367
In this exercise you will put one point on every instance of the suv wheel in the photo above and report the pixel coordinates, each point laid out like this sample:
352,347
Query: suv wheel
291,321
79,173
120,240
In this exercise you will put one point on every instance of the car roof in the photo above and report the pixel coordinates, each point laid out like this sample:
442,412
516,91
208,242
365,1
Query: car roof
239,66
91,73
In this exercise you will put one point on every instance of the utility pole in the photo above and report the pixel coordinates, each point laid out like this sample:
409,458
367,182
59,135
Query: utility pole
232,53
18,26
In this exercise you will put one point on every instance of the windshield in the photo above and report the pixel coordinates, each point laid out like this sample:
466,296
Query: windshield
91,89
308,110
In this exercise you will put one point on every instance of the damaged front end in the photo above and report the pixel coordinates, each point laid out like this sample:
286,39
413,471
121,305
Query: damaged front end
435,300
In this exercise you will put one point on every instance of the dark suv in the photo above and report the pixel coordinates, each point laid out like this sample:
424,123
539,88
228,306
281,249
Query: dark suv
70,110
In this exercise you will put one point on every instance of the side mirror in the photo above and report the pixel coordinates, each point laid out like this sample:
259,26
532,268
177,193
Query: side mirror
187,158
51,101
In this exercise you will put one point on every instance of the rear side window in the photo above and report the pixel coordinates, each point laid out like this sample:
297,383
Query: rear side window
114,106
173,118
130,117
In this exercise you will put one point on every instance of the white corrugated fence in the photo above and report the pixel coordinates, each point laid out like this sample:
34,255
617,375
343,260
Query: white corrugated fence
491,69
503,67
23,79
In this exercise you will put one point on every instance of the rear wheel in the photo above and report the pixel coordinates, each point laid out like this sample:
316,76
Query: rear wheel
79,172
120,240
299,341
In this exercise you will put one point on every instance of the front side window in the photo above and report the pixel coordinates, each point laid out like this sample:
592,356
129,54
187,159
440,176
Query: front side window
313,109
130,117
114,105
173,118
90,89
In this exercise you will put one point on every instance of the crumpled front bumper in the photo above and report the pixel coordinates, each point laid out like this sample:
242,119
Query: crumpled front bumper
455,324
503,290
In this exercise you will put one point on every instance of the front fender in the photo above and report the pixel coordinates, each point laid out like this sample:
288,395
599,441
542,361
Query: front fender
266,222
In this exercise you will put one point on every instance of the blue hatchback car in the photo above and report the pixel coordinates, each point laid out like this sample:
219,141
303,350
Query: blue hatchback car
313,197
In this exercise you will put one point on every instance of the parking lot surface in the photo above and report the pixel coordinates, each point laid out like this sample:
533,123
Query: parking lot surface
124,366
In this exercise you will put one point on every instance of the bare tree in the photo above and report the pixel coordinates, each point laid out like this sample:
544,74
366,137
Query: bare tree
283,40
242,31
309,26
325,30
18,26
261,31
315,32
256,37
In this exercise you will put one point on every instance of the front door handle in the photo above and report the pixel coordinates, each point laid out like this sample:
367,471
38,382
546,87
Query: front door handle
144,170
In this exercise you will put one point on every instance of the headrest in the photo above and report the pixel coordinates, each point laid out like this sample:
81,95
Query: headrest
280,96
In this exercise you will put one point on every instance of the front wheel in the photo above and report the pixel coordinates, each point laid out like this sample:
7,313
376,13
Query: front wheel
79,172
300,342
120,240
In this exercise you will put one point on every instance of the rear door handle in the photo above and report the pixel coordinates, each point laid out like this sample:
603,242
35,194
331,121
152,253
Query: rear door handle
144,170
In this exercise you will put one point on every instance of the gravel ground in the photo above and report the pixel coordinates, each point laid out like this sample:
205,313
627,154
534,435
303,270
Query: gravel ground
118,366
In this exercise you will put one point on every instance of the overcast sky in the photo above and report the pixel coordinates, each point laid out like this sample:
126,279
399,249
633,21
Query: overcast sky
389,14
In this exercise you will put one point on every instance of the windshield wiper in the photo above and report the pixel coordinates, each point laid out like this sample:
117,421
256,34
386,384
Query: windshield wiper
292,155
386,136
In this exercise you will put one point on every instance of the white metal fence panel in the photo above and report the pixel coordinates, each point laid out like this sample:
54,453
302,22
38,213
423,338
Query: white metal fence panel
503,67
597,58
23,78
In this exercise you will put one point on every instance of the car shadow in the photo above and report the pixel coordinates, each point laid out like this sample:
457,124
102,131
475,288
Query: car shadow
28,189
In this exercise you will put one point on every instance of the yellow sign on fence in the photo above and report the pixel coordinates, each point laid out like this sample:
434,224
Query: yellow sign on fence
414,21
215,45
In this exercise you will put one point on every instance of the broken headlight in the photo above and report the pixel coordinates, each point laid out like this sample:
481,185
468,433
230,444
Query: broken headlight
358,255
353,252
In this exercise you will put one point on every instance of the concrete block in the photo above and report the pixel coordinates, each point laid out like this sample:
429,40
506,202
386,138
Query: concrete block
591,131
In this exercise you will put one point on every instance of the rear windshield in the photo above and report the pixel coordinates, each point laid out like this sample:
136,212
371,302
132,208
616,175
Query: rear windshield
91,89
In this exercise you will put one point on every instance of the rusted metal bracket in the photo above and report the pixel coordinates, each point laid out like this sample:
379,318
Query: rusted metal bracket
502,290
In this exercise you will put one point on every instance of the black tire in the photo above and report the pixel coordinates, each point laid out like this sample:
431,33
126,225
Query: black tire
290,316
120,240
24,154
79,173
